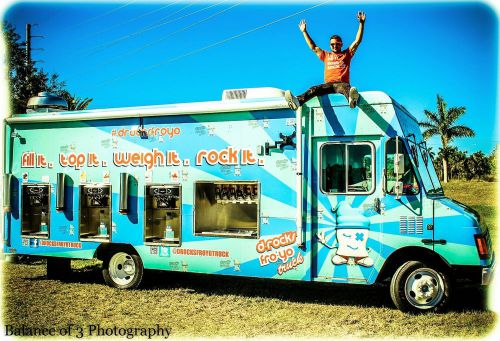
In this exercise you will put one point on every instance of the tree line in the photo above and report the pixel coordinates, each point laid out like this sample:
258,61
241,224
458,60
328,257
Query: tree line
466,167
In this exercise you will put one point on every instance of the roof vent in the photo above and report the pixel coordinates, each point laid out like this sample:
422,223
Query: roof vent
46,102
251,93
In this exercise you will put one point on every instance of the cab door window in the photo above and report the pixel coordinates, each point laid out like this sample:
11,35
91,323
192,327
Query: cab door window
407,175
347,168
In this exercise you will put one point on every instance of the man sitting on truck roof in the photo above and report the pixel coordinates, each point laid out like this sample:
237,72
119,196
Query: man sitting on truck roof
337,66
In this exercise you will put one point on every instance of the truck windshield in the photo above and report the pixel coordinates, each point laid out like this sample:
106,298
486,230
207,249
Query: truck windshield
425,168
424,155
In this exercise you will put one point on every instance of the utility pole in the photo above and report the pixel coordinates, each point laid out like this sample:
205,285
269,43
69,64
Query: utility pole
29,61
28,45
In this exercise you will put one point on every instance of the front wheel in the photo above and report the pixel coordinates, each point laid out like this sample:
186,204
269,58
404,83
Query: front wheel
123,270
417,288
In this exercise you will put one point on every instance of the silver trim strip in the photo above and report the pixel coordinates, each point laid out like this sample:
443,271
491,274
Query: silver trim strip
152,111
487,273
298,144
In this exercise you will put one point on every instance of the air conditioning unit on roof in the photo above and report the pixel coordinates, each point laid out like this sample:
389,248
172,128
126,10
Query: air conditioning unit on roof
252,93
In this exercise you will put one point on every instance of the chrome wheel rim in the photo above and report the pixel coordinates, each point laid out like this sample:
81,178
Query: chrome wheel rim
122,268
424,288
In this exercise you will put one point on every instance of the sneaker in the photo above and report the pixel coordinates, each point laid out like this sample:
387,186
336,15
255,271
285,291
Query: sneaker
292,101
353,97
339,260
366,262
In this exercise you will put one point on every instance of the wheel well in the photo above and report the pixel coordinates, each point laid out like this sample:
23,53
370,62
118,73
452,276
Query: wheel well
105,249
405,254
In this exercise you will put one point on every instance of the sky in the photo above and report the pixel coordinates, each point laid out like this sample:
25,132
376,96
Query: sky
135,53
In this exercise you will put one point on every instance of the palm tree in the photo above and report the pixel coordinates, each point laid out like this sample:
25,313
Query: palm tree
74,102
79,103
431,153
442,123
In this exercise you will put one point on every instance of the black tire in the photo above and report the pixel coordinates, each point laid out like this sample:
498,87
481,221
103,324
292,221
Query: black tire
123,270
58,268
417,288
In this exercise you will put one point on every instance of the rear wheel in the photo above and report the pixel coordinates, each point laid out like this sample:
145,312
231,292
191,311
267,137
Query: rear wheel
416,287
123,270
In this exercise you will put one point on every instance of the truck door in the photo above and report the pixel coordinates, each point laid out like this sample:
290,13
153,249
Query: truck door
408,214
345,226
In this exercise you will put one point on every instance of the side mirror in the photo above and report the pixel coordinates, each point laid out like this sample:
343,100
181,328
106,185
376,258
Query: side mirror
399,164
398,189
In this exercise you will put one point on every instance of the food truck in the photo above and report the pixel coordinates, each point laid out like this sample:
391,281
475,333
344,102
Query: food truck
244,186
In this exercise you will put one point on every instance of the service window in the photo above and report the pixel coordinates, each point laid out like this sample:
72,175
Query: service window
227,208
162,213
407,176
35,209
95,212
347,168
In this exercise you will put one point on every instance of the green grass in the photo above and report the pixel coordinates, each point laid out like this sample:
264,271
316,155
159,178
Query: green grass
207,305
196,305
481,196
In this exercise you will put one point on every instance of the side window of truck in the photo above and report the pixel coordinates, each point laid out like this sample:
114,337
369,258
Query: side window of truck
227,208
407,176
347,168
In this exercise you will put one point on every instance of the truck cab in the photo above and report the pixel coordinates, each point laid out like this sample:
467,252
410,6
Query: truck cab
378,210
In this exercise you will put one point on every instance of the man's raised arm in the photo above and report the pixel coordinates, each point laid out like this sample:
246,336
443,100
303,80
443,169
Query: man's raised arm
309,41
359,36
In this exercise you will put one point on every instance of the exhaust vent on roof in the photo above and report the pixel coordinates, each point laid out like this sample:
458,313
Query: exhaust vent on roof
251,93
46,102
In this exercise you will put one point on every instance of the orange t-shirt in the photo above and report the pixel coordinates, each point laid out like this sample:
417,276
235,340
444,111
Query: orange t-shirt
337,65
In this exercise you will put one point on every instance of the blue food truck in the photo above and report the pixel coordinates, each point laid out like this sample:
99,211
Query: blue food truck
244,186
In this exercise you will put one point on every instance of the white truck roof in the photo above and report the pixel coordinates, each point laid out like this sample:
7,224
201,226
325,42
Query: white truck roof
235,100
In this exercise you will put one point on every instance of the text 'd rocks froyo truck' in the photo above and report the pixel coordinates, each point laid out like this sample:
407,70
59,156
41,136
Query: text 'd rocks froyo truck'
244,186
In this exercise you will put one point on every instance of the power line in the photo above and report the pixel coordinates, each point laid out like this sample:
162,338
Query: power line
149,28
220,42
112,61
181,30
134,19
101,15
133,34
101,47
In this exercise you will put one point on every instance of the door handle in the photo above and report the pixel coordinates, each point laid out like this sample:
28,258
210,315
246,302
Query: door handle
433,241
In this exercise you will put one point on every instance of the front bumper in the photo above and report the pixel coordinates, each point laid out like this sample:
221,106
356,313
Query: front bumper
487,273
474,274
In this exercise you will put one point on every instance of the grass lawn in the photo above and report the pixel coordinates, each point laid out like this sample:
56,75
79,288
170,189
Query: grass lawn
481,196
199,305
